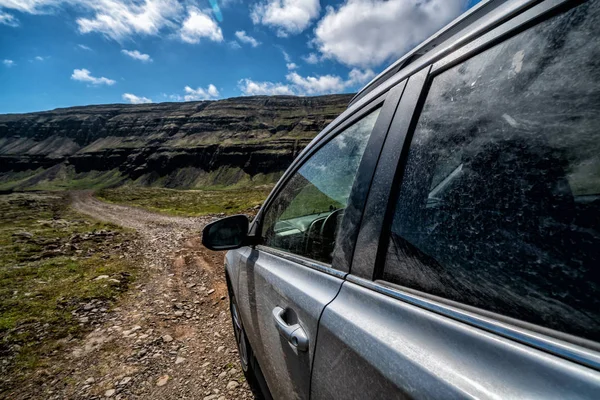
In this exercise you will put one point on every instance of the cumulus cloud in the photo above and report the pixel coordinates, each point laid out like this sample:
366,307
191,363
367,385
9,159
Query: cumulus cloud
291,66
252,88
136,55
316,84
312,58
199,25
244,38
210,92
8,19
8,63
133,99
286,16
115,19
306,85
28,6
360,77
366,33
122,19
83,75
118,19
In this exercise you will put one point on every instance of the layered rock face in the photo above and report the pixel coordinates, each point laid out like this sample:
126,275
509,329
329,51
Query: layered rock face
176,144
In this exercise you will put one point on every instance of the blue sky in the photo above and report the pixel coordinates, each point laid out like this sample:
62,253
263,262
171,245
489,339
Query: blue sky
60,53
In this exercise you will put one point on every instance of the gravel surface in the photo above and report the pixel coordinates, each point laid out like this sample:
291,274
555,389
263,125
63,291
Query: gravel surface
170,336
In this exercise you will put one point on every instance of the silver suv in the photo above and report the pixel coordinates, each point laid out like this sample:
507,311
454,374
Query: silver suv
440,238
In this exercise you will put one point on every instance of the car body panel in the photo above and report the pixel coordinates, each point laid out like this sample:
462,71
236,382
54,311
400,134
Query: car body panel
267,281
367,341
371,343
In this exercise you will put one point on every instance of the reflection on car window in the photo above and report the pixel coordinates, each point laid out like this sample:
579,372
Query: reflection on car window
304,217
499,206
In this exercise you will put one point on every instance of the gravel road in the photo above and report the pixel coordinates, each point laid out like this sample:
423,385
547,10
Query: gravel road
170,336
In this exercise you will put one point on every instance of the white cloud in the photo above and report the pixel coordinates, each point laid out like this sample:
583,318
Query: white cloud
312,58
234,45
133,99
210,92
136,55
316,85
252,88
306,85
84,47
8,63
119,19
8,19
360,77
83,75
244,38
122,19
288,61
199,25
366,33
115,19
286,16
28,6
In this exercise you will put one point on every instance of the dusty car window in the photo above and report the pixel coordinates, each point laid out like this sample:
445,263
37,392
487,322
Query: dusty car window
306,214
499,207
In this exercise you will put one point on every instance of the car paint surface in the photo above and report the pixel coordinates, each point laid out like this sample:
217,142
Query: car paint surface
367,340
390,349
267,281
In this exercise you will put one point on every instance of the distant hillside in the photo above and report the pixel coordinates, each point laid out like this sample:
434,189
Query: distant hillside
179,145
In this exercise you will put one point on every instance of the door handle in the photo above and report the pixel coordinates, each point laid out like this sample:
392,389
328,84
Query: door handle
292,333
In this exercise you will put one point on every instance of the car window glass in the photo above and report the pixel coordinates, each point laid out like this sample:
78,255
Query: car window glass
499,206
304,217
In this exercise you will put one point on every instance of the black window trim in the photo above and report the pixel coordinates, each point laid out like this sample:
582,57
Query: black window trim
367,270
388,102
343,121
374,212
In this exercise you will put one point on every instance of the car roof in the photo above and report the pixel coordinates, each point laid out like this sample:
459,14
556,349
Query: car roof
453,29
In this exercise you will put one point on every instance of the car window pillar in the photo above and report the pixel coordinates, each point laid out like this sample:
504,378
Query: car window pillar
393,156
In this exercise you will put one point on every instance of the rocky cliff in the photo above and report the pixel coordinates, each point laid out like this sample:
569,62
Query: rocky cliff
192,144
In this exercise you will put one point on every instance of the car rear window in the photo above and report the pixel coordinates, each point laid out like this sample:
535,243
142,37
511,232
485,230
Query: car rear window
499,206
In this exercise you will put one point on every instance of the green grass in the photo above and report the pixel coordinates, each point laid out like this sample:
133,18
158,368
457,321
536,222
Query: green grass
59,177
310,200
187,202
49,257
77,181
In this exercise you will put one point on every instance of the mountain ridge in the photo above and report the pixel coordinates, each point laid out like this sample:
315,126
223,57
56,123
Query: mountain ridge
180,145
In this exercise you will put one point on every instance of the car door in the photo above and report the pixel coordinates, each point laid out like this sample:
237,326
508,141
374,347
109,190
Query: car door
286,281
476,269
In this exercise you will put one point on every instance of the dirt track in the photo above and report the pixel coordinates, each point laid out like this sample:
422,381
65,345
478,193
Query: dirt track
170,336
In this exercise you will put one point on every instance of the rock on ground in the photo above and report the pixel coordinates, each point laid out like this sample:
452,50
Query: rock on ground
170,335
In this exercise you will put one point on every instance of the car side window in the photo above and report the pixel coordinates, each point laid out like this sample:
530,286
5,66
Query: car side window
499,206
305,216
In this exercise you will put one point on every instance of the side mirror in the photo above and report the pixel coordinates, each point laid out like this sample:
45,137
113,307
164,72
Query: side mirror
226,234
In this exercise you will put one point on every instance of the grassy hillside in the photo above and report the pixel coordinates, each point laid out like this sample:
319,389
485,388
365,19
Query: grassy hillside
244,141
188,202
54,263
